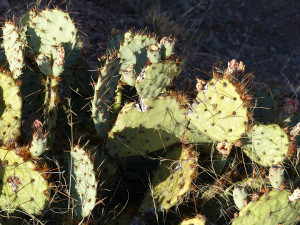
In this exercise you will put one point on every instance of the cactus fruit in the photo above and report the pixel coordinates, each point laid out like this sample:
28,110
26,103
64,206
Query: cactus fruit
14,42
267,144
22,186
172,180
197,220
39,140
104,95
219,111
147,127
240,196
276,175
10,109
271,208
83,184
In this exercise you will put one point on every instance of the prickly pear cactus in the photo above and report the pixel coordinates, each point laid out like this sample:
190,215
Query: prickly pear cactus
83,183
266,104
155,77
219,112
22,186
172,180
146,127
14,42
267,144
50,28
240,196
10,109
104,95
276,175
145,63
39,140
272,208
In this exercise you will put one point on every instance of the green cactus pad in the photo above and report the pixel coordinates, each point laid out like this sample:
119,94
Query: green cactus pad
14,42
10,109
155,77
83,184
167,45
266,105
195,136
133,53
172,180
104,95
219,111
276,175
240,196
267,144
51,28
272,208
22,187
142,128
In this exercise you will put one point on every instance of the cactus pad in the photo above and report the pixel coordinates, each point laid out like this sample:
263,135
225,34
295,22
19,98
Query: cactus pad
155,77
14,42
172,180
146,127
104,95
51,28
276,175
84,184
219,111
271,208
10,109
267,144
22,187
240,196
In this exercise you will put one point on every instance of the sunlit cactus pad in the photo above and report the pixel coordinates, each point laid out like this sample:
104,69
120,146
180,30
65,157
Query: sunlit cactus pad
50,28
146,127
172,180
155,77
84,184
10,109
219,111
267,144
22,187
271,208
14,42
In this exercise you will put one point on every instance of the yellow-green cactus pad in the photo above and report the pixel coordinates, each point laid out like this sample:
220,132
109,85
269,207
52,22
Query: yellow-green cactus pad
155,77
83,184
22,187
272,208
219,112
14,42
267,145
172,180
50,28
146,127
10,109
